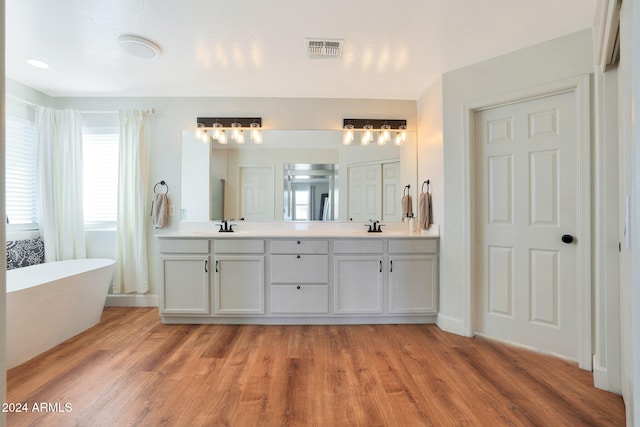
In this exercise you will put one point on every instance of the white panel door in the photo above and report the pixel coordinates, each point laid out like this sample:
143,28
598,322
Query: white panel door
256,199
526,168
391,192
365,192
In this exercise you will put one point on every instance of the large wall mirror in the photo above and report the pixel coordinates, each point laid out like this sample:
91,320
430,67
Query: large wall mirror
296,175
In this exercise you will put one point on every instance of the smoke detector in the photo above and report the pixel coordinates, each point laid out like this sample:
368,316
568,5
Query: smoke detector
138,46
323,48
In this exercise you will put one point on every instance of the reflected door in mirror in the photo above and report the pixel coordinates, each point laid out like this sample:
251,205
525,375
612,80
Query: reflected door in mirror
374,192
257,193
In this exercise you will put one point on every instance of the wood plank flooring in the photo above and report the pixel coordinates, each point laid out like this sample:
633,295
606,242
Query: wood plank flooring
132,370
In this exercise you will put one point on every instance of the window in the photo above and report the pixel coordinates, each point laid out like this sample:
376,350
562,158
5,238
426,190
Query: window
301,199
20,173
100,169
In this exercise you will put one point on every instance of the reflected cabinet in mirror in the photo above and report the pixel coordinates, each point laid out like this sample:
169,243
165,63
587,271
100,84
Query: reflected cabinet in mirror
296,175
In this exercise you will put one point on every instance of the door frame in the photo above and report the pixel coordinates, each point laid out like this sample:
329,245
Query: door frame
580,86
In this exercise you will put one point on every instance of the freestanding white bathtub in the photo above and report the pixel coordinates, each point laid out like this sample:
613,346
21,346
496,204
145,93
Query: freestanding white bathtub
52,302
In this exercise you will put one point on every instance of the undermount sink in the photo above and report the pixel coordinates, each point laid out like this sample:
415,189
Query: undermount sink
219,233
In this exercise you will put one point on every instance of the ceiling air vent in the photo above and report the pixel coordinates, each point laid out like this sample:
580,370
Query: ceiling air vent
327,48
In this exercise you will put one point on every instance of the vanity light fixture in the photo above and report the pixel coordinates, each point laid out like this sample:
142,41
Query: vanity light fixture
235,126
385,134
367,134
347,134
256,133
367,127
236,133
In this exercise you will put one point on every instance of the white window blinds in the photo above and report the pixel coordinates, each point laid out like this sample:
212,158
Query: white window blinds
20,173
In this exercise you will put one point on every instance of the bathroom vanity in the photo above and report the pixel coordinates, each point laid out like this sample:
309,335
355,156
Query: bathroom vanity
319,275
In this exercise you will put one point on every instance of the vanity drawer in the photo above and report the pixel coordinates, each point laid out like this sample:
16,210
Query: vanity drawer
299,246
301,299
409,246
184,246
299,268
358,246
239,246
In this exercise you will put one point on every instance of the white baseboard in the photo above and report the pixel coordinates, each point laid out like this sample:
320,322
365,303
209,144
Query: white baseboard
451,324
601,378
132,300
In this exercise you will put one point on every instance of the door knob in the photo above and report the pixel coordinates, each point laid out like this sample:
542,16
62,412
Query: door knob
567,238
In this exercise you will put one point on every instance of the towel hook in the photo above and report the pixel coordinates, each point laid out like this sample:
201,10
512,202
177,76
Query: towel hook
166,191
425,182
407,189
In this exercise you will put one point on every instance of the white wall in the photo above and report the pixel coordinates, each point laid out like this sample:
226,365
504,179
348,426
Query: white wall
430,147
629,99
545,63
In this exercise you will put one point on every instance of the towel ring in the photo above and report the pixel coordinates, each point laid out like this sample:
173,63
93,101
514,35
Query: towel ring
164,184
425,182
407,189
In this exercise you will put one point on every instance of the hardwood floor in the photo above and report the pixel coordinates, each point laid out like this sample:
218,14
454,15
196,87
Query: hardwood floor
132,370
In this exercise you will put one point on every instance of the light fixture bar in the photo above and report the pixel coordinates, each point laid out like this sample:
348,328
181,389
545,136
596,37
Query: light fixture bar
376,123
226,122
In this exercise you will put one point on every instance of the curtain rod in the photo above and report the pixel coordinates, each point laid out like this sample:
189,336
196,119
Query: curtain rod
150,111
23,101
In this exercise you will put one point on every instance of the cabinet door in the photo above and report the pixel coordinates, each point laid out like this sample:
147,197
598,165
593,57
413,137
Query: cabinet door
413,284
357,284
239,284
184,284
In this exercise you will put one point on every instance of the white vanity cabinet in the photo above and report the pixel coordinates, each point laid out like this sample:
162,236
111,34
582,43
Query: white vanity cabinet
264,279
299,276
184,276
413,276
239,276
358,276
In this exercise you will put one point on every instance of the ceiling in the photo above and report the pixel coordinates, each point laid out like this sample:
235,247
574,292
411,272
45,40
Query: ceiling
243,48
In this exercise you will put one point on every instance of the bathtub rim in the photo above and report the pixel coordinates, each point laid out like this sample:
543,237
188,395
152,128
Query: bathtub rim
39,274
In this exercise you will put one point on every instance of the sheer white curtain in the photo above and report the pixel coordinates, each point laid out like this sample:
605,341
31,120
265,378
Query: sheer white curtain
59,141
132,275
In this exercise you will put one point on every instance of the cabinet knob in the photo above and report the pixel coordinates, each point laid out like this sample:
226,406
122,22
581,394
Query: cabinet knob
298,242
298,256
298,287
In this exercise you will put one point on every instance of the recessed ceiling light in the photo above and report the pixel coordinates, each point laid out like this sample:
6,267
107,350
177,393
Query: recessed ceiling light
37,63
139,46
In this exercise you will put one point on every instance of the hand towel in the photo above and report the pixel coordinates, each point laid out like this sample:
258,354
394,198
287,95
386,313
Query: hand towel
159,210
407,207
425,211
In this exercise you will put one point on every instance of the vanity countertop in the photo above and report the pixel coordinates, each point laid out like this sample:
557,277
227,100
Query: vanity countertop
301,230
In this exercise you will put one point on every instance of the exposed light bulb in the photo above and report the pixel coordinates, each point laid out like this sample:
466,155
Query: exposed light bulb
256,133
222,137
367,135
398,139
385,130
205,137
348,136
403,132
217,130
